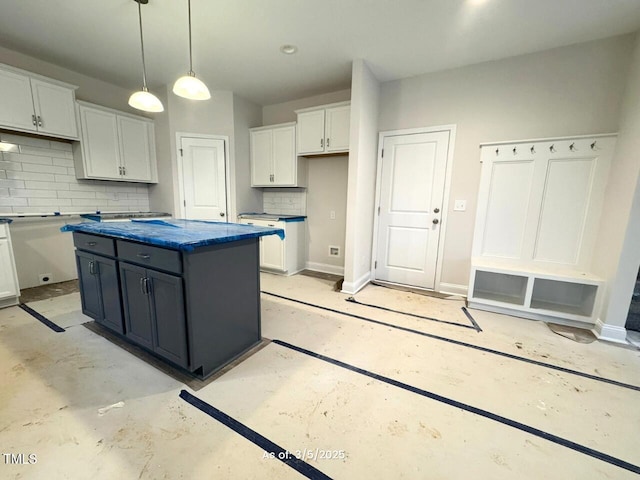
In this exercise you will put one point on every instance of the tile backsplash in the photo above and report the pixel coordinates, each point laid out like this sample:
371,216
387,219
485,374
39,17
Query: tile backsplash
38,176
286,201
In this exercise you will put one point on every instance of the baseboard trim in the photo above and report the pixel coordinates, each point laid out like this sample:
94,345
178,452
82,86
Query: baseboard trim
454,289
610,333
354,287
325,268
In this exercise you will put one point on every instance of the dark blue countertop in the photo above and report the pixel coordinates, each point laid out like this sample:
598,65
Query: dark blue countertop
185,235
5,220
274,216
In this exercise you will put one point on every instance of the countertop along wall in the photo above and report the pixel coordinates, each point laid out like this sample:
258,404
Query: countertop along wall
566,91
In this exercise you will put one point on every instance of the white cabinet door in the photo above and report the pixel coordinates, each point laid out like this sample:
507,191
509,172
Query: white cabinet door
271,247
337,129
284,156
8,287
311,132
261,158
135,149
55,109
100,146
16,103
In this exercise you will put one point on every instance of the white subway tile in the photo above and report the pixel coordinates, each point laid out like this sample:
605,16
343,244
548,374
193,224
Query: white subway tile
138,195
89,187
71,171
144,189
12,202
40,151
43,210
84,202
46,185
23,158
11,183
42,177
45,202
76,194
63,162
15,166
23,140
32,167
30,193
6,210
64,146
3,174
65,179
4,192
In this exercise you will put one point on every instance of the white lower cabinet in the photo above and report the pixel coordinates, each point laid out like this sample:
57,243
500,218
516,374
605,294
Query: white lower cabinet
9,289
281,256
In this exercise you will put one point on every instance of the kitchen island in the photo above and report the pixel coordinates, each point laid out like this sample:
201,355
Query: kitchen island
187,291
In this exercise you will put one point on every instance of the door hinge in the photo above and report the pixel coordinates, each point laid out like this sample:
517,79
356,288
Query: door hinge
378,210
375,264
181,153
383,153
184,202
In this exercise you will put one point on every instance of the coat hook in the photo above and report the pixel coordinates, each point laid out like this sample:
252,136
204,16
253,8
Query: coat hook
552,148
593,145
572,147
533,149
515,151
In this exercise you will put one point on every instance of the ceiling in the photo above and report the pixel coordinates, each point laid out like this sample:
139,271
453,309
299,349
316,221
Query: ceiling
236,42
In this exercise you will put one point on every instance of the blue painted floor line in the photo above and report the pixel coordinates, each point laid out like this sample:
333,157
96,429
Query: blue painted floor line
469,408
469,345
415,315
41,318
274,450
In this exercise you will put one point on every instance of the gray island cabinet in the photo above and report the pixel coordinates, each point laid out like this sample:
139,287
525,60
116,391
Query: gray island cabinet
188,291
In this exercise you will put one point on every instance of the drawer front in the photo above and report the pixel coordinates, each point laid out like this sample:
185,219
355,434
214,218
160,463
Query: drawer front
150,256
94,243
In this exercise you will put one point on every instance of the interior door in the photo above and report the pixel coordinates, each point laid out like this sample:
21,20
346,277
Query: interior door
204,178
411,200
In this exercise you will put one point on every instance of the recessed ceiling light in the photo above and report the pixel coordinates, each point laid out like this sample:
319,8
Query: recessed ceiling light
288,49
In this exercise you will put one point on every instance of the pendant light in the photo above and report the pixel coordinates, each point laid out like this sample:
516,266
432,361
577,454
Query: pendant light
189,86
144,99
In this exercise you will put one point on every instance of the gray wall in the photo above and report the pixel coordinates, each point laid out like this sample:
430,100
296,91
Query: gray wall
566,91
326,192
285,112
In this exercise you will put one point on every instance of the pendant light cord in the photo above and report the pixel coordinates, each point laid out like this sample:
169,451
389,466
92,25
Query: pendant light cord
144,69
190,47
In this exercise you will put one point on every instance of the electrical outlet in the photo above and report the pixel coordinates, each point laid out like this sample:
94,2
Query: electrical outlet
460,206
45,278
334,251
332,215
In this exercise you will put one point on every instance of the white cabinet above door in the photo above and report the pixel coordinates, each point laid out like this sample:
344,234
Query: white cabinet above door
115,146
324,129
31,103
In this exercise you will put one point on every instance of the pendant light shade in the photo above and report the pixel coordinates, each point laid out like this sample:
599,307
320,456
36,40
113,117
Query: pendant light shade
144,99
189,86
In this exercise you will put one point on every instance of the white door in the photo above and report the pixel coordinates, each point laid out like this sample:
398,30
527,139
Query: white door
204,178
311,132
55,108
411,201
100,145
337,130
16,103
135,148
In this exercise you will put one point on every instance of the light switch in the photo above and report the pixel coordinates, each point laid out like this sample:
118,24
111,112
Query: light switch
460,206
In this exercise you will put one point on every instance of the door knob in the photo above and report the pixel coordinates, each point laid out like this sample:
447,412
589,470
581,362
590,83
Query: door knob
222,214
436,221
436,210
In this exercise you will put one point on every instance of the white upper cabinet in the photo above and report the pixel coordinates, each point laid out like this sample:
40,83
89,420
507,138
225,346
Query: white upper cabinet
31,103
273,157
115,146
324,129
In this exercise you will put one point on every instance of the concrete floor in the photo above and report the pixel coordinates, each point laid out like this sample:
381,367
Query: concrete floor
53,385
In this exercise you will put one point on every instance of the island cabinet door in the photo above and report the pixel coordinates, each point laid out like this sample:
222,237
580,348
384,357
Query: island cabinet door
168,316
135,305
89,285
109,287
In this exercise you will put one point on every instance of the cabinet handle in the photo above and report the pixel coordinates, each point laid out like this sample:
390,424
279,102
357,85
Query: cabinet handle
33,120
39,121
142,285
322,143
92,244
124,170
147,291
92,268
270,224
146,256
328,142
